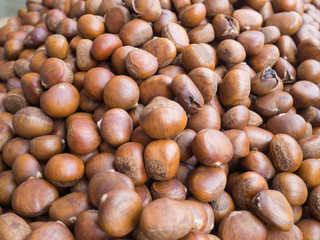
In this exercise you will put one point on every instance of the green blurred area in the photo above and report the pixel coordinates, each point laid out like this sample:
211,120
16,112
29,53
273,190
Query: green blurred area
10,7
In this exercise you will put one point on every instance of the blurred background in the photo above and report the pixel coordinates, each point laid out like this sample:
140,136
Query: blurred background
10,7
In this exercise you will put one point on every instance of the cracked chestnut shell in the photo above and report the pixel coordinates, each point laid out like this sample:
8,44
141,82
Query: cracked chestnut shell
225,27
187,93
264,81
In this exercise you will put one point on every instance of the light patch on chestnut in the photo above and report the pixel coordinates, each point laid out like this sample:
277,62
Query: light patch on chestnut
104,197
38,175
72,219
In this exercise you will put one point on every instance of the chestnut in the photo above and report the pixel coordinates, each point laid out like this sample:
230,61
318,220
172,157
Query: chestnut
195,235
33,197
271,33
176,223
141,64
236,118
104,45
30,122
188,95
309,172
84,58
116,127
235,88
268,56
285,152
144,193
309,70
310,228
222,207
56,46
115,17
231,51
206,81
206,183
308,148
258,162
215,7
161,113
212,148
90,26
101,162
287,123
13,227
165,17
177,34
287,22
87,226
274,233
156,85
129,160
64,170
7,187
121,92
225,27
60,101
104,182
54,71
83,136
15,147
56,230
248,19
252,41
135,32
304,93
272,207
172,189
195,56
313,202
240,142
292,187
207,118
67,208
253,229
26,166
32,87
161,158
203,33
45,147
111,218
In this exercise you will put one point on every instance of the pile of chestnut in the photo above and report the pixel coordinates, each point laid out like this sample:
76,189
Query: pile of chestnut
160,120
